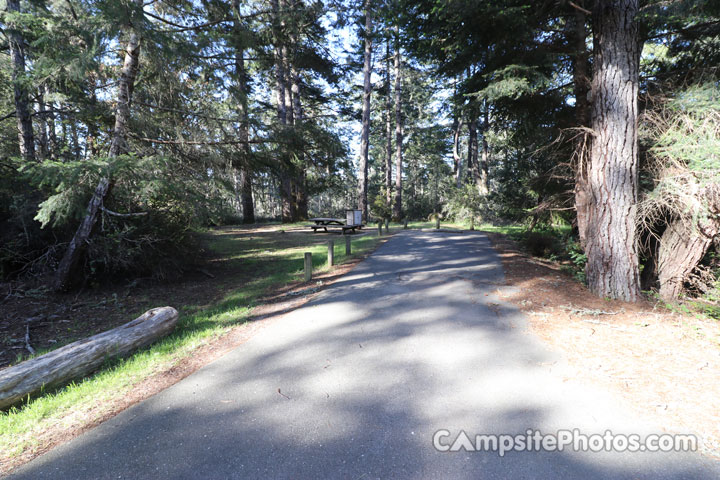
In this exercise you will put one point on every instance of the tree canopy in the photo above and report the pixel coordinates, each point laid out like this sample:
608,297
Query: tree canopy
129,126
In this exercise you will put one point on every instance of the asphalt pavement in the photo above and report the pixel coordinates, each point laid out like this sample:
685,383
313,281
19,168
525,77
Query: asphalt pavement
357,383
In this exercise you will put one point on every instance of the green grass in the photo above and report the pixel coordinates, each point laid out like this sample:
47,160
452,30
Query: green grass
262,262
446,225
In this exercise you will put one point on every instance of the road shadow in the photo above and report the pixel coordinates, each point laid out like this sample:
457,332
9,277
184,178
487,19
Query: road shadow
355,384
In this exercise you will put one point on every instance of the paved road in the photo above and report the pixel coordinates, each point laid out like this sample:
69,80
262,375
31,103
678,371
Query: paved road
412,341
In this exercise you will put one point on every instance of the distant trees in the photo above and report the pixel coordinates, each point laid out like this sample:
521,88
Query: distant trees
397,204
367,92
118,146
510,71
16,43
244,111
243,177
127,166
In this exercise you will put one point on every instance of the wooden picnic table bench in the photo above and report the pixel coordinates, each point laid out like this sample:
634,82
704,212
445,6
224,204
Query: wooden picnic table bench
345,228
325,222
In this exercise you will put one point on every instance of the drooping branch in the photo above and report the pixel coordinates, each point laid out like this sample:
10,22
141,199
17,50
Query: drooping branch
116,214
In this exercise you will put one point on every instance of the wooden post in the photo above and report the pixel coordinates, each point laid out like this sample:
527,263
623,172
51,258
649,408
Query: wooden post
308,266
331,253
379,229
348,247
472,223
405,223
437,221
387,226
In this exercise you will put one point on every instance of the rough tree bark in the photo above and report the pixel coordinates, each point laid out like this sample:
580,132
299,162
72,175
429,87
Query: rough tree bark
612,265
682,246
241,86
388,127
684,243
581,87
22,103
84,356
398,206
118,146
365,136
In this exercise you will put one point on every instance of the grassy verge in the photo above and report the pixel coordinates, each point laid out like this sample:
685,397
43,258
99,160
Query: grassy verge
551,242
253,263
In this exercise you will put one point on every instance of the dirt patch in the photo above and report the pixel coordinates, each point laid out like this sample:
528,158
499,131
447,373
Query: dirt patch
665,365
49,320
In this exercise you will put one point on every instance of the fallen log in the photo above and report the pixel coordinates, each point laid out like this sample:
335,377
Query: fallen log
84,356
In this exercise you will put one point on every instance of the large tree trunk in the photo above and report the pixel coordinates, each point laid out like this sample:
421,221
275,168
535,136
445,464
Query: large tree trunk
365,136
284,176
398,206
457,158
581,85
289,111
388,127
241,85
246,195
22,103
612,266
484,164
118,146
300,187
682,246
472,153
84,356
301,200
279,67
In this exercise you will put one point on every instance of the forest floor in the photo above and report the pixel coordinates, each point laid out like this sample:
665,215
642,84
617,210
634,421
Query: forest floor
248,275
664,363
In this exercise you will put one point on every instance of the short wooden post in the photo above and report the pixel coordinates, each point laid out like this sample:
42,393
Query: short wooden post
405,223
347,245
308,266
331,253
437,221
387,226
379,229
472,223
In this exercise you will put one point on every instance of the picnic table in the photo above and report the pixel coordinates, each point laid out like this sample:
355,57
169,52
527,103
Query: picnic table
325,222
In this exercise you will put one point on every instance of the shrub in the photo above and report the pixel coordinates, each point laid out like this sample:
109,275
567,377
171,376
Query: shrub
542,244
